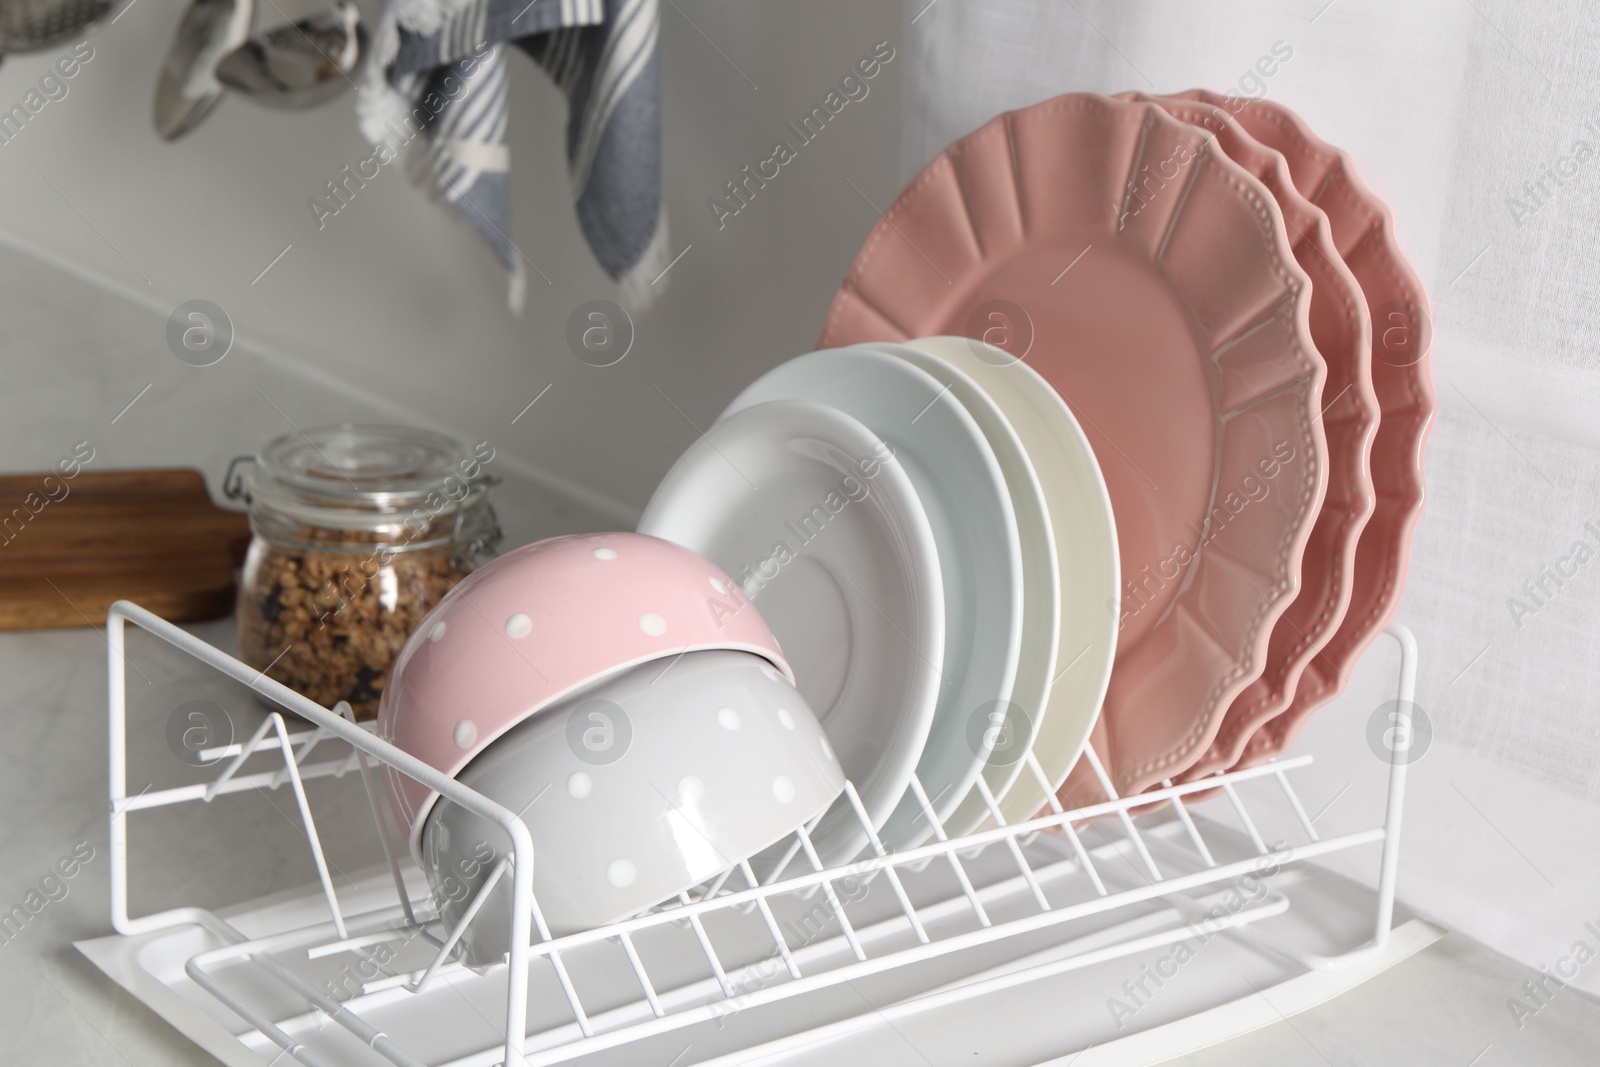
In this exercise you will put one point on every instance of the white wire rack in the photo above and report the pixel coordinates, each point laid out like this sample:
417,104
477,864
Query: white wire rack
735,944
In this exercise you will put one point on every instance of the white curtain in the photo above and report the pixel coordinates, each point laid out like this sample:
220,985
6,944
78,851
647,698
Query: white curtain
1479,122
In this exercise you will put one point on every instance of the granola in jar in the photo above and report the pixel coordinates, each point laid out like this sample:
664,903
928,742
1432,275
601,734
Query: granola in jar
359,532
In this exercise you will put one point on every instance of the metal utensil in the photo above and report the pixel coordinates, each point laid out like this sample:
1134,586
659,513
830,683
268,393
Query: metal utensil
302,64
35,25
187,87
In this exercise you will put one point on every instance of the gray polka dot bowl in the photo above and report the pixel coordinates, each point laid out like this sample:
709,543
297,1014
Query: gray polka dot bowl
634,789
536,625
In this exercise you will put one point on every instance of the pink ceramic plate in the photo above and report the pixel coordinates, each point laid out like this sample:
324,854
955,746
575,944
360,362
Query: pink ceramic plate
1150,280
1364,234
1342,331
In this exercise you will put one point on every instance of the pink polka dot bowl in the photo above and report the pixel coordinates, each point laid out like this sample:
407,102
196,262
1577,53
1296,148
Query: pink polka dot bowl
539,623
633,790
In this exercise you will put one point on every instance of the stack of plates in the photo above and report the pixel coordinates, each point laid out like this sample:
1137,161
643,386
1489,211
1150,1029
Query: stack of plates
1186,312
928,536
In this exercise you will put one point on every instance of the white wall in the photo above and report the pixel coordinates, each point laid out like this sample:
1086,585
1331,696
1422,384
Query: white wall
396,301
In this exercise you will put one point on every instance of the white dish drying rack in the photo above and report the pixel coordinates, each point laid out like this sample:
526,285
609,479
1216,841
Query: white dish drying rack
1019,903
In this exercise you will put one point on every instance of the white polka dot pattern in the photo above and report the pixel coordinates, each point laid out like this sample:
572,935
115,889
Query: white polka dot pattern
723,749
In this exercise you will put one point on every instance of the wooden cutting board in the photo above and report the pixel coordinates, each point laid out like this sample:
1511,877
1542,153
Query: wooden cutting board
71,546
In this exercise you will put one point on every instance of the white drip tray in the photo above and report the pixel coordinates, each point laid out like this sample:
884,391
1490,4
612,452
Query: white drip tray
1137,928
1144,986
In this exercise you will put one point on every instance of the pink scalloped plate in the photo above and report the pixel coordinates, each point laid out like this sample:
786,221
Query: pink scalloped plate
1150,280
1342,330
1363,231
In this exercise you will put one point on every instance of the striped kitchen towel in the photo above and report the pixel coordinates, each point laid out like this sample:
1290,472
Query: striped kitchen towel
437,77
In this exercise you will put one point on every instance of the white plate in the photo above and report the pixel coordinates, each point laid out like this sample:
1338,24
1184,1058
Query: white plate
963,491
812,514
1086,547
1015,723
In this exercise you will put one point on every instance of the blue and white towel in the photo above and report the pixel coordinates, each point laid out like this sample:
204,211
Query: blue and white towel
437,77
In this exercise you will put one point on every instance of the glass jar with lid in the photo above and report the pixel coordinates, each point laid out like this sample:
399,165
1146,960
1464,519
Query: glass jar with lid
358,532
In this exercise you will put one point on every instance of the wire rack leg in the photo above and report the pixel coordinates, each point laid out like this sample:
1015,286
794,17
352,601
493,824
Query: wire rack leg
1389,864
